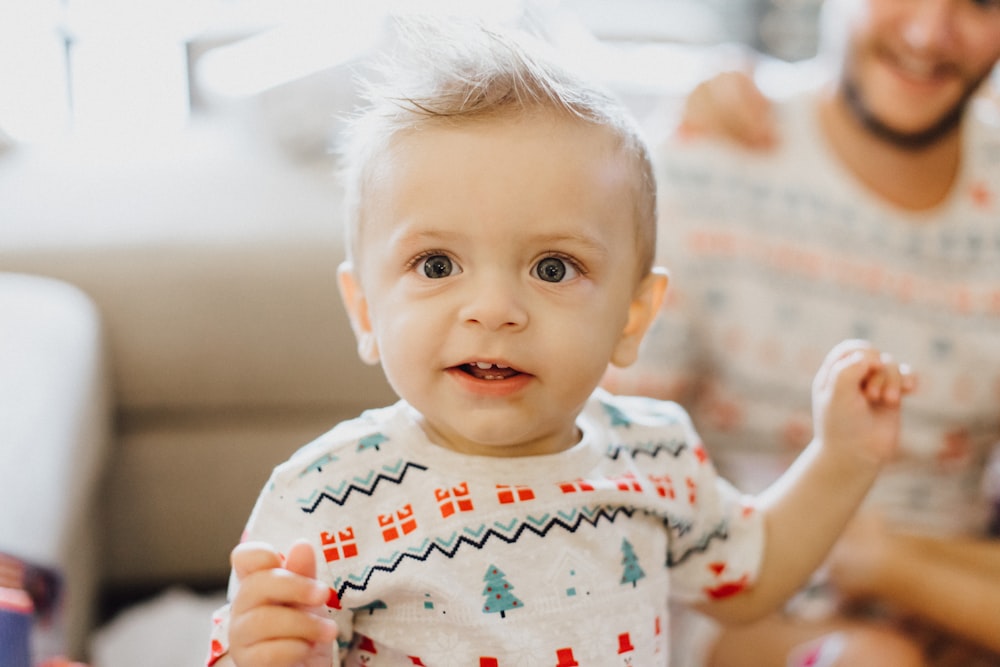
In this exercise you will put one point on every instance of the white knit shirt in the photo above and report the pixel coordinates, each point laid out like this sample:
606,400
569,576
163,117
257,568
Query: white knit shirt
775,258
441,559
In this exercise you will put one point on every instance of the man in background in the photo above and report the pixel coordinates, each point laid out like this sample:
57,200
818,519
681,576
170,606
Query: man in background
871,208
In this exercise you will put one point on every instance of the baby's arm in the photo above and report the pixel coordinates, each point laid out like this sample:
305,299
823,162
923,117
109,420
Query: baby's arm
856,397
273,622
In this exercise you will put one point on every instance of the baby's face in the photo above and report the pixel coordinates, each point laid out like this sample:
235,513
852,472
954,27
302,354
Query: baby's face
498,265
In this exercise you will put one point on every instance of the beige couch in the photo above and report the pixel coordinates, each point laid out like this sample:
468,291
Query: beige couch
211,259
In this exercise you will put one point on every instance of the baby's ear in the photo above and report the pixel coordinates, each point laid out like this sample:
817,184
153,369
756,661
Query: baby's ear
357,309
642,311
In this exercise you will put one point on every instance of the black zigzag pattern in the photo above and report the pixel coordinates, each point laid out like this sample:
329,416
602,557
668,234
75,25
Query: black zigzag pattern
672,447
610,514
487,535
360,489
721,532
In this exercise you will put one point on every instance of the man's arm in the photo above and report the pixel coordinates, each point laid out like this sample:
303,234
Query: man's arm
954,584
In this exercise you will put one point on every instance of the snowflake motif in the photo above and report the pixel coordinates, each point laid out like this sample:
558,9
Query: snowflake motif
527,651
446,642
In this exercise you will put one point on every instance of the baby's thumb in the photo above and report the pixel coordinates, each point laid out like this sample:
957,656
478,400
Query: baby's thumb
301,559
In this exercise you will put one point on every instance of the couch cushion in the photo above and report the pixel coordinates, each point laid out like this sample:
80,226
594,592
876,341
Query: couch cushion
213,262
181,489
245,324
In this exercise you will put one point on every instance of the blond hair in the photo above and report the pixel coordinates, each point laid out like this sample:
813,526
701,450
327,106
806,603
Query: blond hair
461,71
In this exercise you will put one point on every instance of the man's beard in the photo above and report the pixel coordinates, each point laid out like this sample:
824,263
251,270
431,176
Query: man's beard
912,141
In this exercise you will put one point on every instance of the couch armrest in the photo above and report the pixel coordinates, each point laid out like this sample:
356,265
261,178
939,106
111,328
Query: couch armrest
55,427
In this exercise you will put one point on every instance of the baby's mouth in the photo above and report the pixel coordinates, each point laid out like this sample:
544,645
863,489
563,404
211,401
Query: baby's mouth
483,370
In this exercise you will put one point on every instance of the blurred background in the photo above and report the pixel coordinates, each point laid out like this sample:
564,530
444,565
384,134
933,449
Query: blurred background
113,67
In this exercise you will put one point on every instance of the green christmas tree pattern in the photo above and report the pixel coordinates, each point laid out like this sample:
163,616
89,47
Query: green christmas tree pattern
618,418
371,442
632,572
498,593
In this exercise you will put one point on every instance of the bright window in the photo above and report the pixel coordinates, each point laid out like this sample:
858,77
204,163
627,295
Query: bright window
116,68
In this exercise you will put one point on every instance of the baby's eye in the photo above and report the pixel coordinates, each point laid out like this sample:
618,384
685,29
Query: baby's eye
555,270
437,266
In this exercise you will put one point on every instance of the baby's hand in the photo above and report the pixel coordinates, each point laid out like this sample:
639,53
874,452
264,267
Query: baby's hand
856,399
275,619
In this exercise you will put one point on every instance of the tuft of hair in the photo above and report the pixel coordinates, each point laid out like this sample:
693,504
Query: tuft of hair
462,70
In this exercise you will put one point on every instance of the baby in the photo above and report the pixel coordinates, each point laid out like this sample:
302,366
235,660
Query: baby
506,511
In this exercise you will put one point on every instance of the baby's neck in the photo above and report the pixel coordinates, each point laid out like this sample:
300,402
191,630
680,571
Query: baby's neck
547,444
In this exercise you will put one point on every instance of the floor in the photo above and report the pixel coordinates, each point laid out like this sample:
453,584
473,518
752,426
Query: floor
169,630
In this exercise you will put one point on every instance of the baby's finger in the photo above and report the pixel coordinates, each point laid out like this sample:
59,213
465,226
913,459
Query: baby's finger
265,624
250,557
278,586
272,652
278,631
891,390
860,370
843,355
301,559
875,383
900,381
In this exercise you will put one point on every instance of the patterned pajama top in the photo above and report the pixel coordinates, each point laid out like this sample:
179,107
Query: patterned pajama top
440,559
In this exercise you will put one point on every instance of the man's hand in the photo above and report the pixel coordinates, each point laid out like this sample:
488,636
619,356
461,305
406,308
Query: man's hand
730,106
276,616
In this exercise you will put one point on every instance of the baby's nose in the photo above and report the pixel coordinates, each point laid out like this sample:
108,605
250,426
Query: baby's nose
495,305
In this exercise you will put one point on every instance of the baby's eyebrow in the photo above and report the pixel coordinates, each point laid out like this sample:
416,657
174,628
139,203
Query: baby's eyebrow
589,243
408,236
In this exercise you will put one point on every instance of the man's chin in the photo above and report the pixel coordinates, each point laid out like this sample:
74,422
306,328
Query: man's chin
906,139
